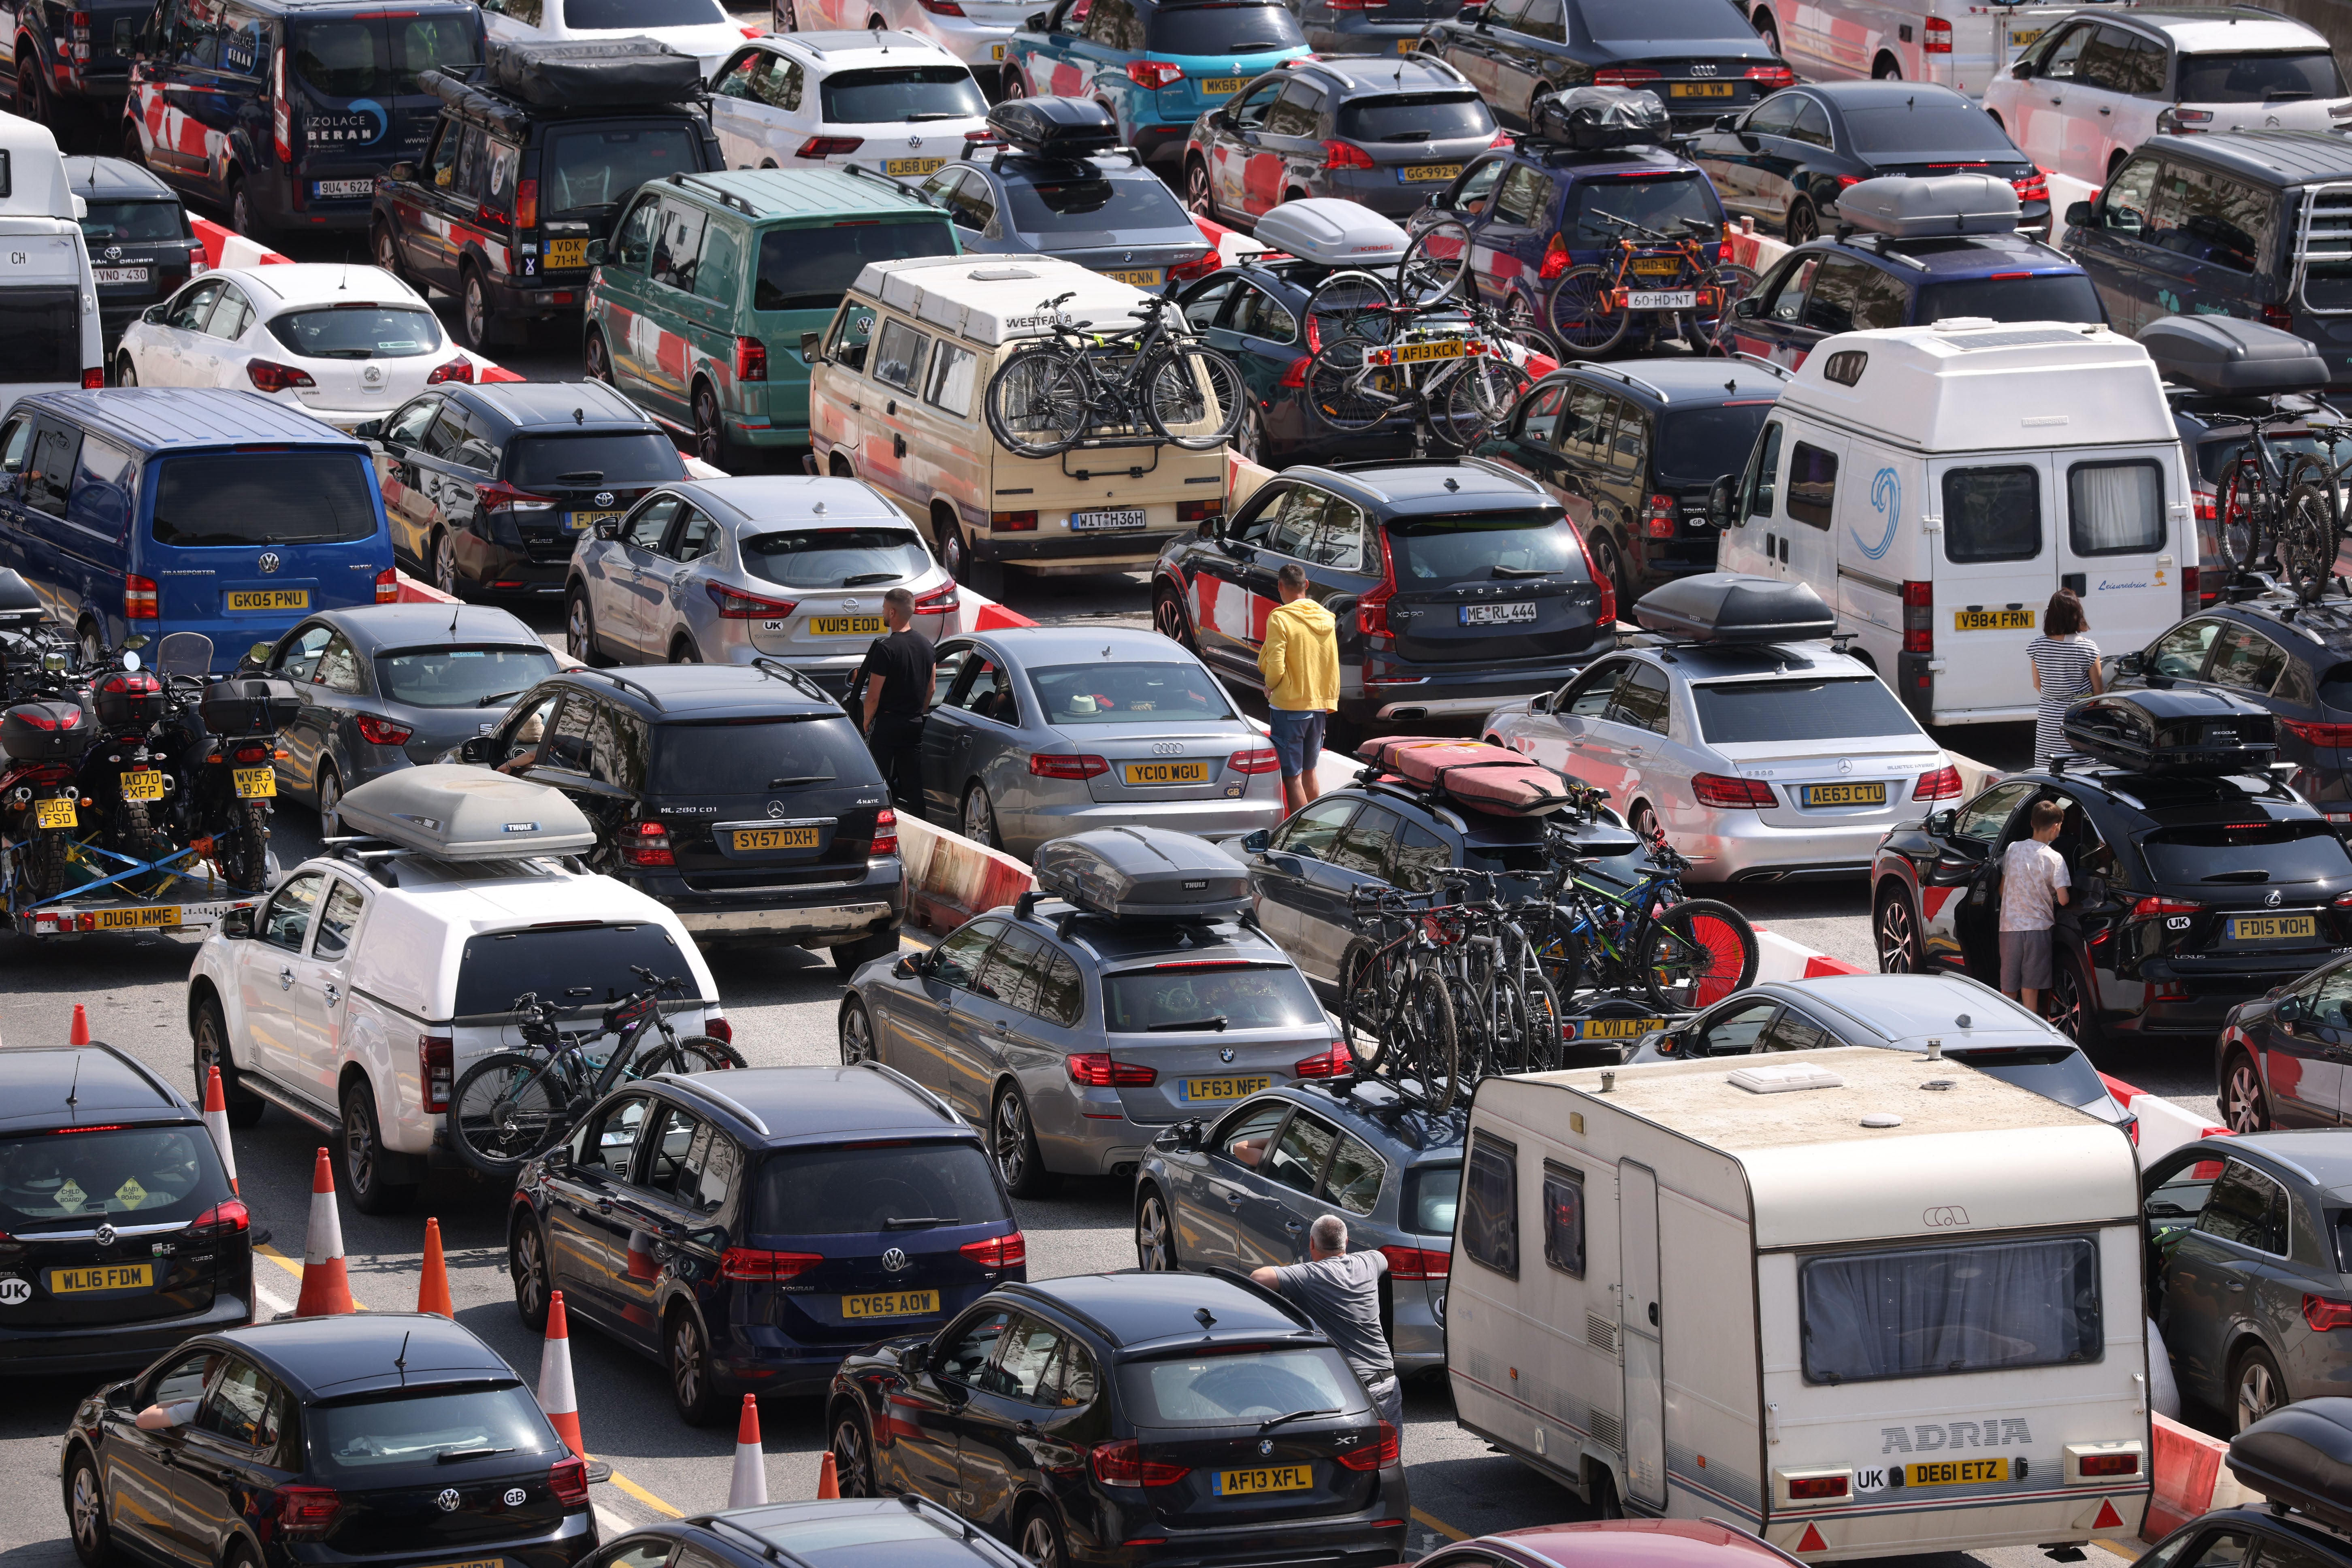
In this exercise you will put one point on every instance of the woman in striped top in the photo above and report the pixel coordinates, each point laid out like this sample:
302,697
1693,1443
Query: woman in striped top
2065,667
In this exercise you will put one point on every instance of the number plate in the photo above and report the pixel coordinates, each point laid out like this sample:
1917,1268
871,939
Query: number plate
1412,171
1495,614
1404,46
1657,267
143,783
270,599
108,276
255,783
1139,277
1846,794
581,522
474,1562
911,165
1609,1028
1224,84
996,51
1992,620
1422,353
1700,90
57,812
1105,521
1166,772
2018,37
749,840
1194,1090
2272,928
1954,1472
561,253
145,918
105,1276
1278,1478
1661,300
890,1304
844,626
331,188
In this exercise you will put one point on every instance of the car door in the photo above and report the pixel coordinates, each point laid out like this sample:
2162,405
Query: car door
1363,856
586,1240
2123,531
1584,704
664,581
1466,200
408,506
925,1411
1210,1218
277,1035
210,358
295,660
1283,875
139,1464
1482,51
230,1454
2303,1059
689,1170
1736,158
334,683
737,115
634,583
624,286
1630,740
991,1027
1043,56
971,726
1277,1195
1001,1450
166,362
2000,566
419,226
2220,1275
916,1033
1521,55
1509,246
1963,853
2117,249
1294,155
2040,103
1229,580
1246,176
322,988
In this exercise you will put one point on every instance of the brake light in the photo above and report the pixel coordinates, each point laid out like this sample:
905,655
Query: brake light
751,360
1943,784
829,146
1065,766
1937,39
281,125
1096,1071
1122,1464
1918,607
1373,616
387,585
383,732
229,1214
1336,1062
2192,590
568,1478
2150,908
1199,511
1772,78
139,599
1417,1262
93,378
736,605
756,1263
306,1511
459,369
1013,522
998,1251
1624,76
2320,1312
648,846
2319,734
1378,1454
885,833
941,7
1153,75
435,1068
1340,155
1662,517
938,601
496,496
718,1028
33,718
2279,316
2034,187
1819,1488
1555,259
1200,266
1297,375
527,205
982,134
1251,764
1722,789
2128,1463
252,754
268,375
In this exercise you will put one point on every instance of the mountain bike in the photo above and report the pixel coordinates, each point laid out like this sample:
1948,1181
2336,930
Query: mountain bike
1642,936
1396,1013
1447,362
1508,1014
1048,397
1653,272
2279,509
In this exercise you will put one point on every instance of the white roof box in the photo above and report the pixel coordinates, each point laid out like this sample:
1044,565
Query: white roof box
452,811
1332,232
996,299
1905,208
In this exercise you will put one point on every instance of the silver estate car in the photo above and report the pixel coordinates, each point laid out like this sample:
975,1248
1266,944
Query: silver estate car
770,566
1076,1039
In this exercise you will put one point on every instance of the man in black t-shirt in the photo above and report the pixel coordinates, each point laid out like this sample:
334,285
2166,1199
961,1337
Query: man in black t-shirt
897,677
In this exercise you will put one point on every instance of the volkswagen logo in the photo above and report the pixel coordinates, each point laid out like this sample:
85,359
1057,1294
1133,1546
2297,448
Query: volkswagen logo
268,561
1265,1445
776,809
913,142
106,1235
1950,1215
516,1497
114,253
448,1501
896,1259
604,498
2273,899
1167,748
1225,1055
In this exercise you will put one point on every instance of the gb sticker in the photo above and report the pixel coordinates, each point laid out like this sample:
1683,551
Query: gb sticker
1873,1479
16,1293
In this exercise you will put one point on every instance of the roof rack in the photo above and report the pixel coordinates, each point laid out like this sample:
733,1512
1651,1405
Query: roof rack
1629,379
946,1110
699,1083
776,669
861,172
1290,1309
724,198
617,678
760,1543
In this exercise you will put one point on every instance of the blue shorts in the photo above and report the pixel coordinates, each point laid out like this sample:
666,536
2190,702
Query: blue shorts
1297,738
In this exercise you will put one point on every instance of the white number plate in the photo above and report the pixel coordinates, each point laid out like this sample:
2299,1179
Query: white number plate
1661,300
1105,521
112,275
1495,614
324,188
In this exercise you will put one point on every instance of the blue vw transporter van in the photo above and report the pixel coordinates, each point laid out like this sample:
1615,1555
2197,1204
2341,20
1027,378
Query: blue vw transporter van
155,510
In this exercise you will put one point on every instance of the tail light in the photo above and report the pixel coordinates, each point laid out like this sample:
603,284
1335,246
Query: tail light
751,360
2320,1312
941,7
1153,75
718,1028
1417,1262
938,601
1772,78
281,125
230,1215
2178,122
378,732
527,205
1336,1062
756,1263
459,369
1555,259
1822,1489
1943,784
2152,908
2095,1464
1199,511
1013,522
1624,76
1251,764
2192,590
33,718
1373,616
736,605
306,1511
2279,316
885,833
567,1479
1297,375
437,1059
1918,629
982,135
2034,187
139,600
1341,155
1065,766
648,846
1360,4
249,755
1722,789
2319,734
497,496
998,1251
829,146
1662,517
1935,39
268,375
93,378
1376,1454
1200,266
1122,1464
387,585
1095,1069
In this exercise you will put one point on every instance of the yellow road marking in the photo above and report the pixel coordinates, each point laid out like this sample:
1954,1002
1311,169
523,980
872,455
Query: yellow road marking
1439,1525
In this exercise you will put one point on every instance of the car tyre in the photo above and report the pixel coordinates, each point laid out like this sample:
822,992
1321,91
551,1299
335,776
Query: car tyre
852,1455
478,321
244,1106
1155,1234
1803,223
857,1032
93,1539
580,631
978,820
848,956
2074,1001
1199,195
527,1264
1885,67
985,578
1251,440
1603,1496
1013,1145
1167,617
1767,30
1643,821
788,20
1040,1541
1609,562
686,1356
1895,926
125,373
360,1153
445,566
683,652
385,248
2256,1387
330,798
240,209
710,442
2244,1106
596,358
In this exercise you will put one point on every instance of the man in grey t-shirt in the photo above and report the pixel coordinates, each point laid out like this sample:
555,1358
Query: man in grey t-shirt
1341,1291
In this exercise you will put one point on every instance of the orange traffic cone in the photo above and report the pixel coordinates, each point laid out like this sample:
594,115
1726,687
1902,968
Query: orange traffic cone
216,1124
80,1035
555,1392
828,1479
326,1289
433,1291
750,1484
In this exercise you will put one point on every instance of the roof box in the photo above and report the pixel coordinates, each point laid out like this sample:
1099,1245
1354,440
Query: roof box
1734,608
1069,128
578,72
1905,208
2223,354
20,607
1146,871
2180,731
452,811
1332,232
2301,1458
1596,119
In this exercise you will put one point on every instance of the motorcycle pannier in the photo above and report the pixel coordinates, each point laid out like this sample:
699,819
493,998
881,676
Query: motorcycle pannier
250,707
1596,119
129,699
45,731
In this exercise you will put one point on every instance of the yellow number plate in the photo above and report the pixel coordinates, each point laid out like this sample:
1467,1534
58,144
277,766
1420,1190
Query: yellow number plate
1992,620
1612,1028
1657,267
2020,37
1420,353
475,1562
57,813
1166,772
566,253
270,599
143,783
580,521
2272,928
844,626
1701,89
911,165
1200,1088
256,784
138,919
1846,793
748,839
891,1304
1431,171
1224,83
996,51
1278,1478
1141,277
106,1277
1954,1472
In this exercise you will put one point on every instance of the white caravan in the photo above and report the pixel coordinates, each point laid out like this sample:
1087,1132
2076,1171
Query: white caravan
48,300
1857,1301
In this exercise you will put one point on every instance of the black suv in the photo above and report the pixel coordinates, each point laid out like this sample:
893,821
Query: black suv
742,796
1131,1418
1459,586
72,62
141,246
488,488
119,1233
1699,56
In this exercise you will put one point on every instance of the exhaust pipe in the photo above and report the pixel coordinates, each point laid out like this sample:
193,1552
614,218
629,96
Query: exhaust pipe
1413,714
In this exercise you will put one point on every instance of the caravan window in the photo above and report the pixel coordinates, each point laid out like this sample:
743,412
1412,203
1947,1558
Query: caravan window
2114,508
1490,1210
1563,1212
1992,514
1934,1312
1812,485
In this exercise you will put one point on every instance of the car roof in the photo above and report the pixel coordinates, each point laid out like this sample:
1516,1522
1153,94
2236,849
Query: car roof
1716,663
2266,157
1114,165
790,1527
1408,485
186,418
2179,799
773,1106
780,499
1950,255
1688,381
1877,94
352,1352
1119,940
373,626
662,691
1367,75
1139,1310
114,179
1089,645
103,1083
329,7
1379,1113
2327,623
830,194
2323,1154
1577,165
1635,1544
523,404
2212,29
320,282
844,48
1919,1008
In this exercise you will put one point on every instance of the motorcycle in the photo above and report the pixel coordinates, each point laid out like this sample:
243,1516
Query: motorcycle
122,773
222,734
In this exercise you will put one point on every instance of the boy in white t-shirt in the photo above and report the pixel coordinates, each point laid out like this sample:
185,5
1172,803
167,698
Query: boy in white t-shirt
2033,882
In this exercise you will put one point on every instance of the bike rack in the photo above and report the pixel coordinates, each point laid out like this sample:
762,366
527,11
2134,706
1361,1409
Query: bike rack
131,867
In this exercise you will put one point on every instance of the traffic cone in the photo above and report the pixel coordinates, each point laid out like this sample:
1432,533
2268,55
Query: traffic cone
216,1124
828,1479
325,1288
80,1035
555,1392
433,1291
750,1483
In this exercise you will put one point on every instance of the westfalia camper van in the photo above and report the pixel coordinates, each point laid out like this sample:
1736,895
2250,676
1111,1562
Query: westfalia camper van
48,298
1858,1301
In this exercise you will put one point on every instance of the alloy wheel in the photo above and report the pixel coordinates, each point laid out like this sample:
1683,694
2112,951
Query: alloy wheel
856,1037
444,565
1154,1251
358,1148
2257,1391
2241,1100
477,309
577,641
599,359
1039,1544
853,1462
1250,439
980,819
387,252
89,1510
1011,1139
330,795
1168,620
530,1273
686,1369
1197,194
1898,938
710,440
126,374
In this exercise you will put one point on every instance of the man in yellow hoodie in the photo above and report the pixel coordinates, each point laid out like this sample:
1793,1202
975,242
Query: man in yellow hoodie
1300,665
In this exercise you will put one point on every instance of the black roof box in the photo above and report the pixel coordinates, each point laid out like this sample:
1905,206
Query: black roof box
2180,731
20,607
1596,118
579,73
2223,354
1070,128
1146,871
1734,608
2301,1458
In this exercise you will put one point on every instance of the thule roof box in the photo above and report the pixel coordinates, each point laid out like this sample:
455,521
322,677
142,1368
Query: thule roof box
2221,355
2300,1459
2177,731
1734,607
1333,233
452,812
1070,128
1142,872
1902,207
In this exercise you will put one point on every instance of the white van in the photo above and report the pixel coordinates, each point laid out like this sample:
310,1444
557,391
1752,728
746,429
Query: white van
1857,1301
1936,485
895,399
1952,43
50,338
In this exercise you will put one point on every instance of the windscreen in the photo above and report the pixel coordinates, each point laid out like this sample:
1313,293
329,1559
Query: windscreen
1094,204
1744,712
743,756
1485,547
1612,21
265,498
1221,31
460,677
881,1187
576,966
1929,125
1182,1000
588,169
144,1176
1128,693
811,268
1432,1195
121,223
907,93
618,458
358,332
404,1429
382,56
2047,297
40,337
1221,1390
2251,852
1933,1311
591,15
1695,444
2259,78
1675,206
1415,116
835,557
2060,1073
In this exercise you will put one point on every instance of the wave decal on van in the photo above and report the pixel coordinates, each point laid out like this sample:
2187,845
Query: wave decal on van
1886,499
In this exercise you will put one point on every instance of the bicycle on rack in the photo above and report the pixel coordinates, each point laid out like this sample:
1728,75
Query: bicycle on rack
1653,272
1076,382
511,1106
1642,937
1396,1013
1508,1015
1447,362
2280,508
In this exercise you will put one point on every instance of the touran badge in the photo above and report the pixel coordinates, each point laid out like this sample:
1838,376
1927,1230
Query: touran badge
896,1259
448,1499
268,561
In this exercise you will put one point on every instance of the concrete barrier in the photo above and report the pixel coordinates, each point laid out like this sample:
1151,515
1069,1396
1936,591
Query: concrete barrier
2163,1126
1753,248
2190,1479
950,878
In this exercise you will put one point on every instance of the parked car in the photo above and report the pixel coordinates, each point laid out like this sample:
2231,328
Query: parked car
829,1533
702,28
2305,1529
1902,40
975,32
693,573
1241,1192
1459,586
344,344
71,74
1784,162
217,81
1340,27
1382,133
1700,56
54,338
140,245
489,488
1670,1542
1120,1428
898,103
177,1258
362,1434
2097,84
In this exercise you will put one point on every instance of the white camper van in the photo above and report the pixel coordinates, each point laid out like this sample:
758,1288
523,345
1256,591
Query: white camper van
1936,485
48,300
1855,1300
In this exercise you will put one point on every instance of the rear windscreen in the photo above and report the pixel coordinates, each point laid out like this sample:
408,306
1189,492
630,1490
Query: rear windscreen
1179,999
1432,1195
811,268
40,336
460,677
1223,30
265,498
2214,457
138,1176
745,756
835,557
1929,126
382,56
1695,444
1485,547
586,15
1246,1385
2057,297
1128,694
588,169
2054,1072
1679,207
2259,78
575,966
1610,20
634,458
1415,116
881,1187
358,332
1747,711
1932,1312
129,223
914,93
2253,853
406,1428
1094,206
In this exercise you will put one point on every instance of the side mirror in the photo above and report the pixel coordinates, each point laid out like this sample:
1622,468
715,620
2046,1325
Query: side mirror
237,923
1748,308
152,315
1940,821
2079,215
479,750
1258,842
596,252
914,1359
401,174
1035,23
369,430
2134,663
2021,71
608,528
1189,1132
258,655
1726,123
810,343
906,968
1721,495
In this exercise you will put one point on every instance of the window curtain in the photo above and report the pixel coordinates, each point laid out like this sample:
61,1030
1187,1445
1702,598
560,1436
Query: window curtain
2116,507
1948,1310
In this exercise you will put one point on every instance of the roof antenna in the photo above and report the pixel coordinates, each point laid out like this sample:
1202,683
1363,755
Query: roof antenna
1205,1316
455,606
580,416
73,1089
401,1361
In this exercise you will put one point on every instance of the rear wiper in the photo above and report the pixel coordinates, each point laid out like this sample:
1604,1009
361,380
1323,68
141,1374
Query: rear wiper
937,114
2250,876
863,578
1295,1415
1405,136
918,1222
2278,92
498,697
1217,1023
450,1455
580,477
1523,571
805,778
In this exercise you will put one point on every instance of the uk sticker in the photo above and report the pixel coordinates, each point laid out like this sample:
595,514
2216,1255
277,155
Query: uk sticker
1869,1480
16,1293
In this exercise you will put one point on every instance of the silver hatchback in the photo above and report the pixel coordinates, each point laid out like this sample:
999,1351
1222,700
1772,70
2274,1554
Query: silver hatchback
771,566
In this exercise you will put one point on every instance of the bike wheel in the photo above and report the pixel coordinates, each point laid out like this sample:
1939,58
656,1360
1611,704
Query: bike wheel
1348,394
691,1054
1478,397
1348,304
507,1110
49,862
1434,1058
2238,542
1730,284
1436,264
1559,954
1586,318
1039,403
244,850
1536,1012
1364,998
1698,953
1193,397
2312,531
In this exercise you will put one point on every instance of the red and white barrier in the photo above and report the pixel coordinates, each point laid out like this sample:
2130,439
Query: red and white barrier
2190,1479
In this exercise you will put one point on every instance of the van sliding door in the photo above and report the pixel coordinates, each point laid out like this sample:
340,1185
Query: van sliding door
1645,1343
1996,567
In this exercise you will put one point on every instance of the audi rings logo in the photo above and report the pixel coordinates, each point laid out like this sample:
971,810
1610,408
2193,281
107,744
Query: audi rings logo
516,1497
896,1260
1944,1218
1167,748
448,1501
268,561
